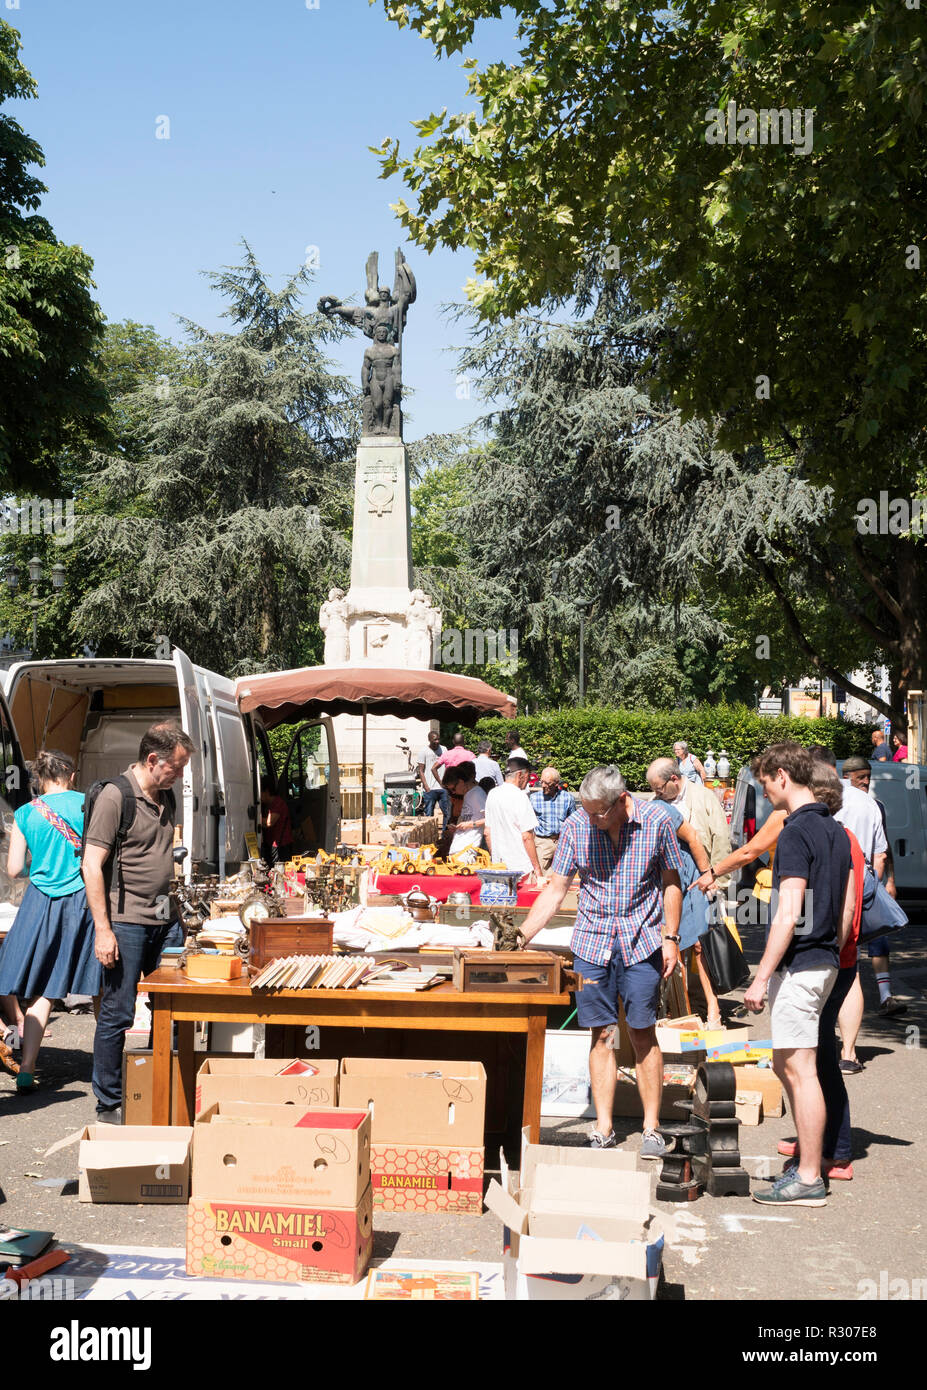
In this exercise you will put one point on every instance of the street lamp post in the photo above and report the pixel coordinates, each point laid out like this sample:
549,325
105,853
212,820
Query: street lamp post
582,605
36,569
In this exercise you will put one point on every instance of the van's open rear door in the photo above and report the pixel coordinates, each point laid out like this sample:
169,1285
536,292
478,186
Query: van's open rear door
197,823
234,769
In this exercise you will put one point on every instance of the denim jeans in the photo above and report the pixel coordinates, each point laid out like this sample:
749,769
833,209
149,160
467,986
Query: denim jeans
837,1142
441,798
139,950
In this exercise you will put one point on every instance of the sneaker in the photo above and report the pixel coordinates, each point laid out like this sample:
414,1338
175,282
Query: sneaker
891,1005
653,1145
789,1191
850,1068
602,1141
111,1116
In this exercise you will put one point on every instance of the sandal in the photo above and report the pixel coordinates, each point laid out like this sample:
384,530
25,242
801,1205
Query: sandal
7,1060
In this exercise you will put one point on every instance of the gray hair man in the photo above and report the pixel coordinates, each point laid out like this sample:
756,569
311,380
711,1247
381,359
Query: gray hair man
626,939
553,805
696,804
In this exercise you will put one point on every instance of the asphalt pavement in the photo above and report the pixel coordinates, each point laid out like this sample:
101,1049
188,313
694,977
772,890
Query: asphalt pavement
871,1229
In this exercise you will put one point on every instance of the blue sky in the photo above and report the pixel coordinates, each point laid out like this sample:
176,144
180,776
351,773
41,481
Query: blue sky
272,106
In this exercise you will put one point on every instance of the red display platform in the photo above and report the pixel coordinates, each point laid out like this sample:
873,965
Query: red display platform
437,886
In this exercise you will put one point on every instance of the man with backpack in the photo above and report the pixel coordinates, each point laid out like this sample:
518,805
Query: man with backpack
127,862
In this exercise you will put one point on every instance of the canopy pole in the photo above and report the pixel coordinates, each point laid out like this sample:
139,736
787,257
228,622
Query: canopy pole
364,772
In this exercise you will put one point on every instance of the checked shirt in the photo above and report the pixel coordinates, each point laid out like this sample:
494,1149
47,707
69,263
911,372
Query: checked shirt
552,811
620,886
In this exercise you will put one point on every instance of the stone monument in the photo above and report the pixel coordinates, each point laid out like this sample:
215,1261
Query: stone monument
381,620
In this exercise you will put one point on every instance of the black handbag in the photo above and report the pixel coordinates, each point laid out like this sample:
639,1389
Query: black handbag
724,960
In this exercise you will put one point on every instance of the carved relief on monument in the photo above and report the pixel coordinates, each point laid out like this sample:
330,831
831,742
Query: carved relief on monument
422,622
333,620
379,480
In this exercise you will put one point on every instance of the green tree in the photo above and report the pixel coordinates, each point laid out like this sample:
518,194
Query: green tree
225,520
594,488
788,272
50,325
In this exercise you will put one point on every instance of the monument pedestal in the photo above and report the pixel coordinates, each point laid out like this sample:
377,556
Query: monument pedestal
382,620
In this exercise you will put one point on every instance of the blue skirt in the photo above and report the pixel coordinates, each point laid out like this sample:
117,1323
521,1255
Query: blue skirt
49,948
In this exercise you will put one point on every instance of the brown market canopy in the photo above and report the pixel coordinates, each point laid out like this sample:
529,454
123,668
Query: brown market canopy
282,697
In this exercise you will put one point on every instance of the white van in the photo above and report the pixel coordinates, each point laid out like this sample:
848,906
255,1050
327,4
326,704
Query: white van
902,789
96,710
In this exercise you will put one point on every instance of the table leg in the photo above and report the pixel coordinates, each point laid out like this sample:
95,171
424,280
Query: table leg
161,1059
534,1074
186,1058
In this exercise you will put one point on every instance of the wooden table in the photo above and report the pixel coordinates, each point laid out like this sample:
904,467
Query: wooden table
176,999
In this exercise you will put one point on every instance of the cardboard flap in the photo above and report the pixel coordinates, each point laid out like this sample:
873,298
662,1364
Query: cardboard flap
607,1191
662,1224
503,1205
98,1155
541,1255
63,1143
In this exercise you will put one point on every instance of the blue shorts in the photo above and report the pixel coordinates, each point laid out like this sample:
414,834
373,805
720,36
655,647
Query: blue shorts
637,985
878,946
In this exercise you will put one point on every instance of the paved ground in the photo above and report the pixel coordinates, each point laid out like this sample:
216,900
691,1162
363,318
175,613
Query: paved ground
726,1248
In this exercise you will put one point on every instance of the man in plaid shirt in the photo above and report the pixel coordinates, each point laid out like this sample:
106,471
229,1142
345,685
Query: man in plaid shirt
552,805
626,938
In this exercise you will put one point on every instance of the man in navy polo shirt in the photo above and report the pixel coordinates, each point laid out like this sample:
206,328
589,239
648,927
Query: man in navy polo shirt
814,894
626,938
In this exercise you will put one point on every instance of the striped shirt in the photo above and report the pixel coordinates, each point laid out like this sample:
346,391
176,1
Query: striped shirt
621,886
552,811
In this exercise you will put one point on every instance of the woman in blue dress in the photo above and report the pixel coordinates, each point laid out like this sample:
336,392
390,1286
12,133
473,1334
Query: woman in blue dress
48,952
693,922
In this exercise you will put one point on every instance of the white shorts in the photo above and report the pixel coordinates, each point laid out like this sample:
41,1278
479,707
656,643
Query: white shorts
795,1004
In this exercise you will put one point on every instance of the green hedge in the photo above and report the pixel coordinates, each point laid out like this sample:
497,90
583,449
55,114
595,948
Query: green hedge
574,740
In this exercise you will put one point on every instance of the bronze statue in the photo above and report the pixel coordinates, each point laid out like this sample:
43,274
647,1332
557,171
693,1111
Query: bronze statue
382,319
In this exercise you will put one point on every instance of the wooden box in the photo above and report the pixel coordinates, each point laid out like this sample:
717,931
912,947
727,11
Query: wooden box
506,972
206,967
274,937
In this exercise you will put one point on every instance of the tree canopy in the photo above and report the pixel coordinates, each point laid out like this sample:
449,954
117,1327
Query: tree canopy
787,274
223,520
50,325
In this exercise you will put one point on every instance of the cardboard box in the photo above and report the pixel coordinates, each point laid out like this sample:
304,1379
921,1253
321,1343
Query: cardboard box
279,1242
694,1045
749,1107
578,1226
436,1104
764,1080
132,1163
137,1086
244,1078
208,967
244,1151
418,1178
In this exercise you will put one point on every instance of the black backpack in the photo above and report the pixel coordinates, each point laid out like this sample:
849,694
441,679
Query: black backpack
126,820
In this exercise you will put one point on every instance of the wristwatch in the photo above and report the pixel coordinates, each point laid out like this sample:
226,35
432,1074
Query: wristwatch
674,939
